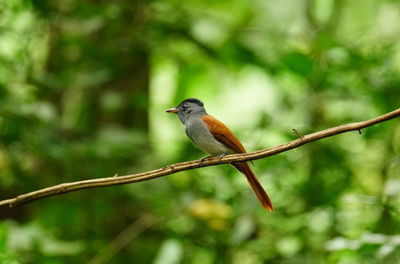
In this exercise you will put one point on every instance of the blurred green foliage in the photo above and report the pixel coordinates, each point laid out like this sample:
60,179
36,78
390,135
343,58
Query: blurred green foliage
83,86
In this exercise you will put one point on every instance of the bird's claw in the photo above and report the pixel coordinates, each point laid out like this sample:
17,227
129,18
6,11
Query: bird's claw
203,158
220,156
206,157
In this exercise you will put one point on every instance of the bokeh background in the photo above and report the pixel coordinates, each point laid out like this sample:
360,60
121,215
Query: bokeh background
83,89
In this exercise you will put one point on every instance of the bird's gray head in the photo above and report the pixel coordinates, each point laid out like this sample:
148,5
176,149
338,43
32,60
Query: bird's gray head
188,108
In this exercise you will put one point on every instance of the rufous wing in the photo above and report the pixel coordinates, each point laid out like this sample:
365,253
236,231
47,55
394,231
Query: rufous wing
225,136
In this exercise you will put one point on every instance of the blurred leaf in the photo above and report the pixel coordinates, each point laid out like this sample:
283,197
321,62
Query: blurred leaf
298,63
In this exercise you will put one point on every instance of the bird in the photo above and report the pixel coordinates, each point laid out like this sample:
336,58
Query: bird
215,138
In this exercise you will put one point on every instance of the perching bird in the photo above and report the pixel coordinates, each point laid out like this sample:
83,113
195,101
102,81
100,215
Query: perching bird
213,137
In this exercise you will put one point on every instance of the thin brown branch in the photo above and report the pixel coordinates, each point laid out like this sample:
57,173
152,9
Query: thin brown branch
170,169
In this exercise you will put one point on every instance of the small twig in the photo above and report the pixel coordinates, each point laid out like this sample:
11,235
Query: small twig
170,169
295,131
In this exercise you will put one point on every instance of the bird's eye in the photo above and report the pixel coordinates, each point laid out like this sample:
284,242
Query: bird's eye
183,107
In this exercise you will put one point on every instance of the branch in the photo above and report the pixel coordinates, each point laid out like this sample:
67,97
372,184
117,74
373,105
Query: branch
170,169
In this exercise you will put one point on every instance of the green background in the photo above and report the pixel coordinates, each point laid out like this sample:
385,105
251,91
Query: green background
83,89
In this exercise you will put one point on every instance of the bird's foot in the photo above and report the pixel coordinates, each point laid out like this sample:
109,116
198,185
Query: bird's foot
204,158
220,156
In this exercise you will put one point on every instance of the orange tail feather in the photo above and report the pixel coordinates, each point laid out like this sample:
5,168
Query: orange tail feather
262,196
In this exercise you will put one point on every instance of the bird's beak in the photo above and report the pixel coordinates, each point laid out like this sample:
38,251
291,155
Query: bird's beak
173,110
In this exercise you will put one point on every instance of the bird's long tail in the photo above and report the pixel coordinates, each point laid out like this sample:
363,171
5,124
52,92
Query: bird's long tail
262,196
